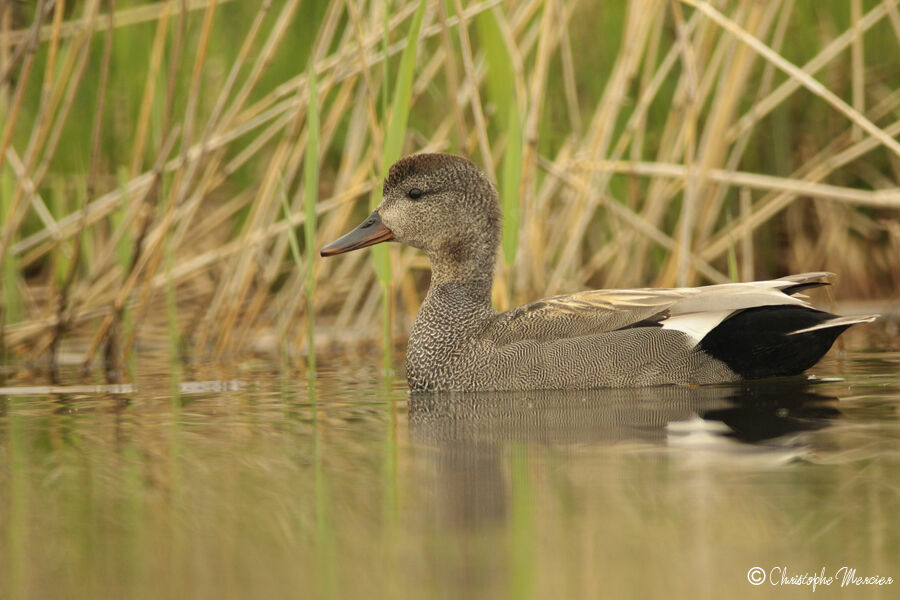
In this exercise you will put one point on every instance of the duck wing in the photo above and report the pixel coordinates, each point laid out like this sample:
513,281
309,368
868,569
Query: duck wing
693,311
642,337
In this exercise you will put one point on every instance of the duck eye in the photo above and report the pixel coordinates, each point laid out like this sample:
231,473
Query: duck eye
415,193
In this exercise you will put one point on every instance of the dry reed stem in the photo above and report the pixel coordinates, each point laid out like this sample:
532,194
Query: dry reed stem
451,74
857,73
263,60
600,132
263,211
795,72
894,16
37,202
631,133
887,198
568,67
370,94
143,119
681,259
731,87
187,126
53,46
140,258
28,47
530,132
484,145
827,54
64,306
275,257
99,209
639,223
767,79
44,135
124,18
770,206
29,42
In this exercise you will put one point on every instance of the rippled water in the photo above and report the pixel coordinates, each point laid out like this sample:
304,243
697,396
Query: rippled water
246,482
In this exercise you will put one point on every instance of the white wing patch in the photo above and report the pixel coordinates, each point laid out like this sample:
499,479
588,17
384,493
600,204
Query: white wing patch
696,325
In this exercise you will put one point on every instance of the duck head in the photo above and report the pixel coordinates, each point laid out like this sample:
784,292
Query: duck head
440,203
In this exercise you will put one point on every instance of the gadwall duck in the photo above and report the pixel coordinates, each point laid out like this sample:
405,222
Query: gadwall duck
445,205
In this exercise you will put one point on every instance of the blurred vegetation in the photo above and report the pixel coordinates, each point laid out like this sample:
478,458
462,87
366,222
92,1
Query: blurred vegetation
149,152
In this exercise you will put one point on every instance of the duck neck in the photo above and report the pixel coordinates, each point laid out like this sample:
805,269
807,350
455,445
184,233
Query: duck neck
456,308
466,266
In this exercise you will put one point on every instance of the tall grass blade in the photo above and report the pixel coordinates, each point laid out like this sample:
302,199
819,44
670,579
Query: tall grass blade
125,244
732,256
59,207
174,328
13,303
325,530
396,131
292,237
393,145
501,83
311,196
512,177
522,534
84,250
16,525
501,90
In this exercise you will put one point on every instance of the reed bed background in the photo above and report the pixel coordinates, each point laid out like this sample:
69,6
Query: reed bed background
168,170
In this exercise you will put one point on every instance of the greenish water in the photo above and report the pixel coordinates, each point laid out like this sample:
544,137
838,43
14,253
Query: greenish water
250,483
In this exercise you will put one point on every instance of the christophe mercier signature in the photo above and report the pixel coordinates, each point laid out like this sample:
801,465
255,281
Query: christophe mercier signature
844,577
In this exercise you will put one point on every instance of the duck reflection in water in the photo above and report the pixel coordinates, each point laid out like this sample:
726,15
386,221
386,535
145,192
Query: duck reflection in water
470,433
474,444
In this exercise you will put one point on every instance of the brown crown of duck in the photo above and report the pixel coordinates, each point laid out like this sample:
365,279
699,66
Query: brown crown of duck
440,203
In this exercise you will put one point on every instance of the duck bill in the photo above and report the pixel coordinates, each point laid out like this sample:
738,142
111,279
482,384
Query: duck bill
371,231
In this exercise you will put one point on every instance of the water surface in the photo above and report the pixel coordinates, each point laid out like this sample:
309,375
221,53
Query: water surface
245,481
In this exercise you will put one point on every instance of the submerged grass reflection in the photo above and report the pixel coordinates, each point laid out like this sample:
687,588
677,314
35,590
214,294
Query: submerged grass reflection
325,556
522,531
17,516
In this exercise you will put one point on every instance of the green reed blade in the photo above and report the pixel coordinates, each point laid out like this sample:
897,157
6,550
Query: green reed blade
173,324
732,255
292,235
326,555
125,245
501,90
59,207
396,129
124,250
500,86
174,327
385,64
522,533
732,264
16,566
393,146
298,263
311,194
393,143
13,305
512,176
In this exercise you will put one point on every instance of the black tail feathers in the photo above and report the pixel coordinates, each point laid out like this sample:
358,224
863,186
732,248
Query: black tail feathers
757,342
